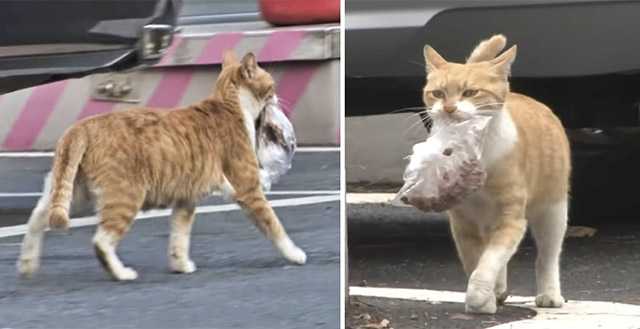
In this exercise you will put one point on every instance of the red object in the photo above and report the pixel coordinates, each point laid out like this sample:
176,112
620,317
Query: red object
292,12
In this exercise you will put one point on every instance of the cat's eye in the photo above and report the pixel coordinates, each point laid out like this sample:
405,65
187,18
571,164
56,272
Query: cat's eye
470,93
437,94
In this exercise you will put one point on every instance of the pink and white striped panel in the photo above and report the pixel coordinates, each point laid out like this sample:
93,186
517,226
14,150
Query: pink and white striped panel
35,118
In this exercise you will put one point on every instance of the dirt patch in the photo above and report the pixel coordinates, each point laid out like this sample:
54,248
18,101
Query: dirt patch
371,312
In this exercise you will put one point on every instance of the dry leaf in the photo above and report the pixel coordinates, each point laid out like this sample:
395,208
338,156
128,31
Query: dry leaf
460,316
363,316
581,232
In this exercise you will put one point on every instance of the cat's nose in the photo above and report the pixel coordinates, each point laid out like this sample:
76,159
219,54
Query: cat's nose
450,109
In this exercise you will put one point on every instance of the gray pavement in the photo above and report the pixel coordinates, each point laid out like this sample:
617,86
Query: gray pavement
241,282
404,248
310,171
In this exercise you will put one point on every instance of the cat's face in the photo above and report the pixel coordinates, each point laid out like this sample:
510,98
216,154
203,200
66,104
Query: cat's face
256,87
457,92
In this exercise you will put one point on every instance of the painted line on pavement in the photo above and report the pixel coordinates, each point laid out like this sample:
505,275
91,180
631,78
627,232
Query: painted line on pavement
20,195
93,220
50,154
25,154
574,314
284,192
318,149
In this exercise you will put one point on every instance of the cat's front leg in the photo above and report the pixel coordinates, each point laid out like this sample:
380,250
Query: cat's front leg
243,177
179,239
502,244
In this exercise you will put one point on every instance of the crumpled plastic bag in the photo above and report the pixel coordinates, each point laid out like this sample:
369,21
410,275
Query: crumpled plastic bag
445,168
276,144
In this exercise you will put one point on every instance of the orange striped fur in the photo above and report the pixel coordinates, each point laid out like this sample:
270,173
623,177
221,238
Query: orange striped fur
153,158
527,158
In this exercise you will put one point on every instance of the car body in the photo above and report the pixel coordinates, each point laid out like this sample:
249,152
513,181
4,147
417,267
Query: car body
54,40
124,54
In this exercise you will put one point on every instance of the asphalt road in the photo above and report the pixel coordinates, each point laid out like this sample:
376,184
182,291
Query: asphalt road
403,248
241,280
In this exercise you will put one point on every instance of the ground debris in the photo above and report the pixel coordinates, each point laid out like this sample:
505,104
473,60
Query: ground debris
581,232
384,324
363,316
460,316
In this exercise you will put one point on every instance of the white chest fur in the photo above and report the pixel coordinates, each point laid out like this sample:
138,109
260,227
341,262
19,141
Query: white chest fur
500,139
251,108
501,136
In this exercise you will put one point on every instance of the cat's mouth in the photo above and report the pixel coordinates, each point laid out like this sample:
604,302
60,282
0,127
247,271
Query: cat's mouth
265,126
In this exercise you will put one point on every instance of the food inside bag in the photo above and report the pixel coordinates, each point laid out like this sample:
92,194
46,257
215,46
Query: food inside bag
276,144
445,168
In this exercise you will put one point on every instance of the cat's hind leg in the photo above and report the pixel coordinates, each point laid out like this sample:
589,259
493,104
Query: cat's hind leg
179,239
548,228
117,209
31,247
501,291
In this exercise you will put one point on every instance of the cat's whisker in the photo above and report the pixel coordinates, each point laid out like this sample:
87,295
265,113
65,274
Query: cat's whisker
284,101
409,108
426,119
284,104
422,65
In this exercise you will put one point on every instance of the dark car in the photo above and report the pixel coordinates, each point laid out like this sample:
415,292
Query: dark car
46,41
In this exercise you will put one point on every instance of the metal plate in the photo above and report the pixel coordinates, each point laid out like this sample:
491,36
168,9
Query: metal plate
116,87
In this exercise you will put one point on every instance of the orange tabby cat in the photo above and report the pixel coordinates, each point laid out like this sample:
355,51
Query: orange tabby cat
139,159
527,158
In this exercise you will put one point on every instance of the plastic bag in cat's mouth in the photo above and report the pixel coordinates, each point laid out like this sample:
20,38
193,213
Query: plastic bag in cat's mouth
276,144
445,168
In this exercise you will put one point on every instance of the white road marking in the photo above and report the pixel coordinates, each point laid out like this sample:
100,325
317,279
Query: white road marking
25,154
283,192
93,220
301,192
318,149
574,314
50,154
365,198
20,195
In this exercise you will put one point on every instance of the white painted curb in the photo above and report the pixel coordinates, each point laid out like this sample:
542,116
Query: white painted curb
574,314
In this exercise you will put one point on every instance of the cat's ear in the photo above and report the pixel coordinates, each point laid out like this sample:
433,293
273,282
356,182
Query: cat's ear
433,60
249,66
502,63
229,58
488,49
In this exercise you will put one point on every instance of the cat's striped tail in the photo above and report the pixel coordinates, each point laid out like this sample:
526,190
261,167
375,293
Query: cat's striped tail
69,153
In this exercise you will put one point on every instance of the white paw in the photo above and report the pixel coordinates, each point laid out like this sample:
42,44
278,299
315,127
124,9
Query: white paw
480,298
126,274
291,252
182,265
296,256
28,266
549,300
